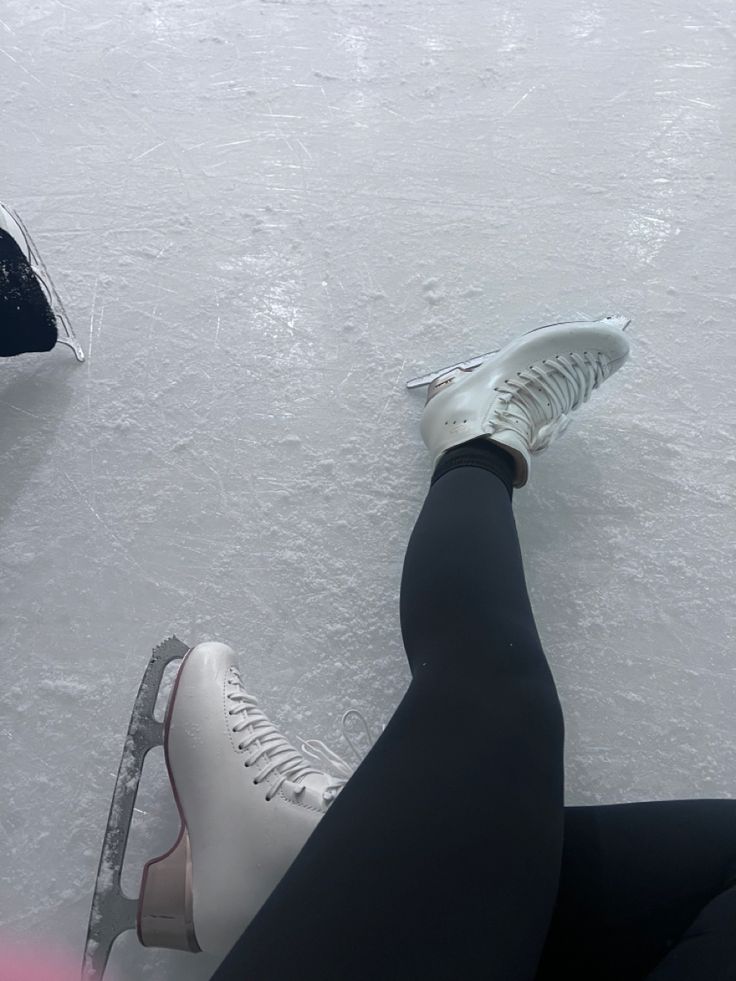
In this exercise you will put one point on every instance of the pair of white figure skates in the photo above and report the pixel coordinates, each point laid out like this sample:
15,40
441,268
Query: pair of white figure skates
248,800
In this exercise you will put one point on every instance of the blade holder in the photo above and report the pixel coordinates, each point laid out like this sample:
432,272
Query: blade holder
112,911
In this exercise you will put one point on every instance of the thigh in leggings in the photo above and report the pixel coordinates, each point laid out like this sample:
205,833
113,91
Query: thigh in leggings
440,858
644,888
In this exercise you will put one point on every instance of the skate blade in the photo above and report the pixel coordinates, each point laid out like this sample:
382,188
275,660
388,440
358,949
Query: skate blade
622,322
429,378
69,337
113,912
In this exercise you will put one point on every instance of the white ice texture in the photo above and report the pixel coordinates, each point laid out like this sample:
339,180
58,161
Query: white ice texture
264,217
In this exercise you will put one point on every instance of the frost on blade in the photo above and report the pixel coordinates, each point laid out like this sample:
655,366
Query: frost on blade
106,875
127,778
129,768
112,912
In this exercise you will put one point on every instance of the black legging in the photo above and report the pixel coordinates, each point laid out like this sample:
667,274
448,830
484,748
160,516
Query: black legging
448,854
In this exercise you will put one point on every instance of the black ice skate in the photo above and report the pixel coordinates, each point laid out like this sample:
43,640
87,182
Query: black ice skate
32,316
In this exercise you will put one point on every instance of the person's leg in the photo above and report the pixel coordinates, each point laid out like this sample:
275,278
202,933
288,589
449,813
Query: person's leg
707,949
440,857
643,885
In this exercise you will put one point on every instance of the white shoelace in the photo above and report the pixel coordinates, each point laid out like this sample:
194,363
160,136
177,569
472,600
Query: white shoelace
279,756
555,391
316,750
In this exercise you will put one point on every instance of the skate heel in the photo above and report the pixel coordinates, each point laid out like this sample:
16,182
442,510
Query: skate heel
165,917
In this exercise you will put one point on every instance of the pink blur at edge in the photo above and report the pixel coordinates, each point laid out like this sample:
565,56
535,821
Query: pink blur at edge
22,962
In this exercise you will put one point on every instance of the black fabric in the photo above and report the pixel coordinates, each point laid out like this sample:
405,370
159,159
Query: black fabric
478,452
448,854
707,949
27,322
636,878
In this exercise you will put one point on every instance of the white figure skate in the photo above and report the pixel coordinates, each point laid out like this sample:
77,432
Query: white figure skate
247,800
10,222
521,396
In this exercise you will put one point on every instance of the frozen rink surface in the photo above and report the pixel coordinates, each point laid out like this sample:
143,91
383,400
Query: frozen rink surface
264,217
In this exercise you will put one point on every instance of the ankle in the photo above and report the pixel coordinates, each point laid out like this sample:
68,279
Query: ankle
478,452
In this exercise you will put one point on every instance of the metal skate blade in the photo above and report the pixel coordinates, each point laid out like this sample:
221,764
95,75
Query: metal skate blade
112,911
70,340
57,306
430,377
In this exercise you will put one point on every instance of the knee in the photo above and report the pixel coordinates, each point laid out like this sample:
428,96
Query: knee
516,697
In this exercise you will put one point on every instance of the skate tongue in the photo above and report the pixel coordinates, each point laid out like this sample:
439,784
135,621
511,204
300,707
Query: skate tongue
318,782
315,749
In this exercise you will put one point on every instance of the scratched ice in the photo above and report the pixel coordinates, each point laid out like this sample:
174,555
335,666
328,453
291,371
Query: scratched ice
263,219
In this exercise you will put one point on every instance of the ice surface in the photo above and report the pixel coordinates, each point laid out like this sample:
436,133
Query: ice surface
263,218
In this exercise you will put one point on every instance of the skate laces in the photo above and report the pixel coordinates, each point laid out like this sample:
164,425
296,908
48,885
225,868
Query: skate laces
278,755
535,398
316,750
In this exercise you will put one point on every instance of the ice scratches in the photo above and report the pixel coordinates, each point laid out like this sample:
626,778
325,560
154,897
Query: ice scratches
64,686
17,408
93,311
146,576
648,234
146,152
22,67
519,101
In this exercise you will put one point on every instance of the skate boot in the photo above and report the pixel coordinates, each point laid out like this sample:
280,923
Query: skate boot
521,397
31,311
248,801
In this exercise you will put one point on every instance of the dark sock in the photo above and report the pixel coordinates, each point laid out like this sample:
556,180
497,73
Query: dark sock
27,322
479,452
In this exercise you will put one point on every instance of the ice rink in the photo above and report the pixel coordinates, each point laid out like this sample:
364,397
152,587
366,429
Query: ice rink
264,218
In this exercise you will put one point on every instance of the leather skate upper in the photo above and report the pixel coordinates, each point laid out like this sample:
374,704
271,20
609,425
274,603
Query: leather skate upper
241,842
521,396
